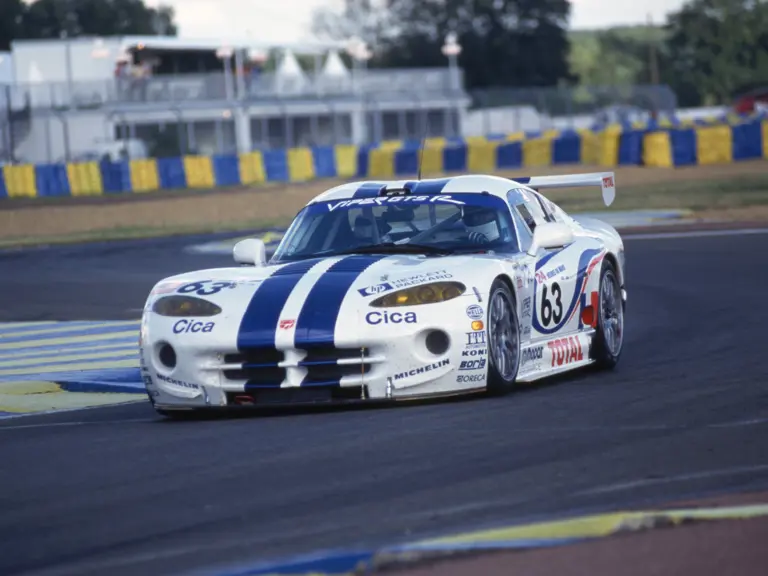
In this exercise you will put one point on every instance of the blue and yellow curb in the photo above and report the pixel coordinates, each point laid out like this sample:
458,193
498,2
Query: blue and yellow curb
528,536
47,366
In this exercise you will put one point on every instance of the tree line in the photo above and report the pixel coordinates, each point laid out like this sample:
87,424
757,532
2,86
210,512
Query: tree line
707,51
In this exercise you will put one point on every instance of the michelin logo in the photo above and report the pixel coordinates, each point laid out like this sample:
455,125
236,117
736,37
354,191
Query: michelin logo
422,369
386,200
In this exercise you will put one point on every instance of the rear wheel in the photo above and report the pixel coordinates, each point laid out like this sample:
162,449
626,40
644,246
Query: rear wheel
609,339
503,339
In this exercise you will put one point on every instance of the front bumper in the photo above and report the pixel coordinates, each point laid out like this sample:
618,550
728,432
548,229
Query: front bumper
440,354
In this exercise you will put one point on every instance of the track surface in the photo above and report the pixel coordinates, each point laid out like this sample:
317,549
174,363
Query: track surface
120,491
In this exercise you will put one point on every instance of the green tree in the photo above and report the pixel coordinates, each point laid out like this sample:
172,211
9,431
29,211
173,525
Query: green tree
72,18
10,22
715,49
505,42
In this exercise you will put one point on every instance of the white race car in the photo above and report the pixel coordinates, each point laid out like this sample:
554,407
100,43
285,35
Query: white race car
394,290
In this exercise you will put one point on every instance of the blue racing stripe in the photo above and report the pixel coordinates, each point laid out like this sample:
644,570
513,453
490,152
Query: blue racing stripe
428,187
316,323
368,190
258,327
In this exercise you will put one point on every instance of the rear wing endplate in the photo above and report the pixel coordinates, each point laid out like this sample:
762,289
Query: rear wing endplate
605,180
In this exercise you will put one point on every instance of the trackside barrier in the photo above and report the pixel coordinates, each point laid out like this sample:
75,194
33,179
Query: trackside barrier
612,146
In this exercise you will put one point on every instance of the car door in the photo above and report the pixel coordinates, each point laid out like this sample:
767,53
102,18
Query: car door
559,281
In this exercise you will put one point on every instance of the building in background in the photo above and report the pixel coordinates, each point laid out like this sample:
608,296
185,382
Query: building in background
84,98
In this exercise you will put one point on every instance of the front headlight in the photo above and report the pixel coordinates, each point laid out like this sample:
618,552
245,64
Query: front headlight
426,294
184,306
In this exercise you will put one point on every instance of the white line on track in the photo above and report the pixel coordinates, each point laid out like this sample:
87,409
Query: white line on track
704,475
694,234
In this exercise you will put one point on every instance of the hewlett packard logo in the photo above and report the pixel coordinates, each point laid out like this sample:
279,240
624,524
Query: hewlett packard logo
377,289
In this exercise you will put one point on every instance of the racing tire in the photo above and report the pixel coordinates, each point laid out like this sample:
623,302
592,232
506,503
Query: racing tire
503,334
608,342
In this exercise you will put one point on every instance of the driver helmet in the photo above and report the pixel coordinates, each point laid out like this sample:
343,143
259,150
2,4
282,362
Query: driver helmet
481,222
363,228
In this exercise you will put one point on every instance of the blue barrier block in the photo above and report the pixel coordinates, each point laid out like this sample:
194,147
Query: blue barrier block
363,160
509,155
455,159
226,170
748,141
324,158
3,189
631,148
171,173
683,146
52,180
276,165
566,149
115,176
406,162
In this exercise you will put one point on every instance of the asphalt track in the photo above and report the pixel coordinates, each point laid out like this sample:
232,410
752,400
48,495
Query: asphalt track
120,491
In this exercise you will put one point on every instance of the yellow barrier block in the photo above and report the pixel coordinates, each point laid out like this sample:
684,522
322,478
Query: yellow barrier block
346,160
432,160
433,142
20,181
608,149
301,165
381,163
657,150
537,152
589,146
714,145
199,171
84,179
144,175
552,133
391,145
765,138
481,157
515,136
252,169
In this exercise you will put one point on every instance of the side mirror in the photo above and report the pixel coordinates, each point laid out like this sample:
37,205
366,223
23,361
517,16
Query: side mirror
550,235
250,251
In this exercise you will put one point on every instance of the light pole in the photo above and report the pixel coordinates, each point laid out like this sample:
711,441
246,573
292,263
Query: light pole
225,55
452,49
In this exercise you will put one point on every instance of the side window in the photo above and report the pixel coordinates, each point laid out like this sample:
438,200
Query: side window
545,205
525,223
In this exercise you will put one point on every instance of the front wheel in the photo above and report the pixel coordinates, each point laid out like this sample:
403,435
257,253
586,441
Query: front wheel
609,339
503,339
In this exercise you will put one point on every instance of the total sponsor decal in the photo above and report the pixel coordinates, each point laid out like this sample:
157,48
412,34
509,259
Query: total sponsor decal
566,351
383,287
478,364
387,200
187,326
475,312
422,369
177,382
375,318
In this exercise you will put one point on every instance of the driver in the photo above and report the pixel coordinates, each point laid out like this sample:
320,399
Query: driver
481,224
363,231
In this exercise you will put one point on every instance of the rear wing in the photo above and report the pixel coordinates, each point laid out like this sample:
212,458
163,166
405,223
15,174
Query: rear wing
605,180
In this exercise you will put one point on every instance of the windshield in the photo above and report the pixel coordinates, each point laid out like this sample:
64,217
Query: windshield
443,224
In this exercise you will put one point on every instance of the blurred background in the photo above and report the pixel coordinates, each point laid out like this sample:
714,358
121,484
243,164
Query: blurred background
84,80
